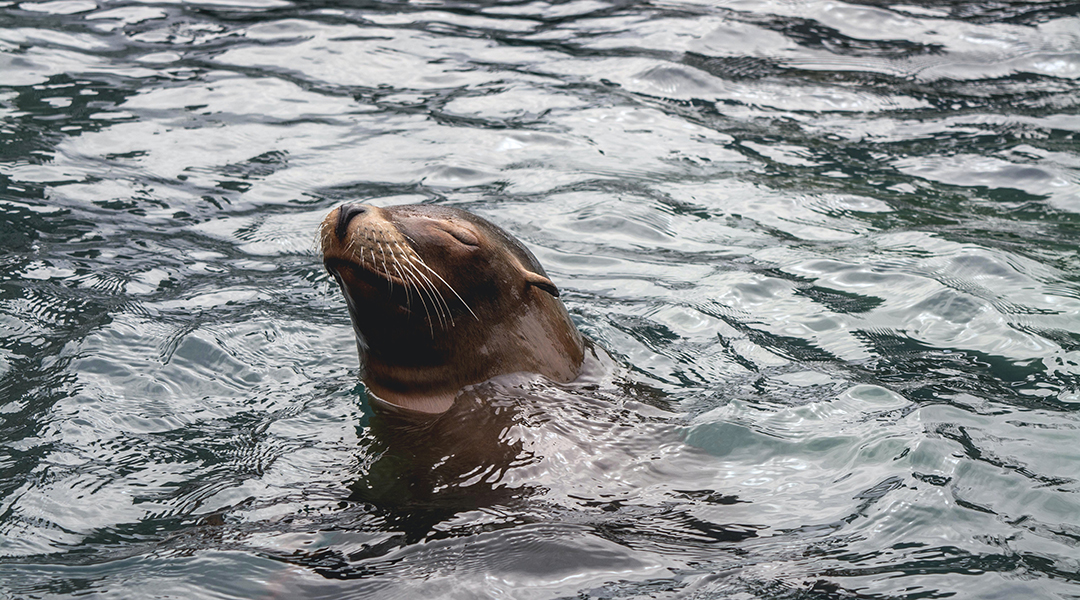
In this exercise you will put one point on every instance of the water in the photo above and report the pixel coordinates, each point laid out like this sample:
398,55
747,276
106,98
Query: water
831,248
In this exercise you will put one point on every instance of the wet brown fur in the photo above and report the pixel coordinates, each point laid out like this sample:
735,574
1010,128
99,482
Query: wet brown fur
441,299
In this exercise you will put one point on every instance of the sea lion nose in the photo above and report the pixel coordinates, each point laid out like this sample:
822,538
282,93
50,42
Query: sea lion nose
347,213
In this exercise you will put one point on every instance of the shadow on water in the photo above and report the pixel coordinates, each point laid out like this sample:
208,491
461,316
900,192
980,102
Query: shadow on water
483,480
431,468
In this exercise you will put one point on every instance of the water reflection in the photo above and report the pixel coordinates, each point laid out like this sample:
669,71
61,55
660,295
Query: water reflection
514,469
837,239
447,464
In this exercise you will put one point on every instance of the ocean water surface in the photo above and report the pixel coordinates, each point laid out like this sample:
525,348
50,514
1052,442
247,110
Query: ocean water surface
828,254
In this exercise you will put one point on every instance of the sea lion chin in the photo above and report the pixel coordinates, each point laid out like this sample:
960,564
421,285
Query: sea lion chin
441,299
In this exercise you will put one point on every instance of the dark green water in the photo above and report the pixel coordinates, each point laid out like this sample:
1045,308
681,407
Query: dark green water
832,248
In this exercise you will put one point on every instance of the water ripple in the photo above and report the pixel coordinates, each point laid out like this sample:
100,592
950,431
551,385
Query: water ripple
830,247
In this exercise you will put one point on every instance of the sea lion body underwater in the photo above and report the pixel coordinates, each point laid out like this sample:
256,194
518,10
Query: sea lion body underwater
441,299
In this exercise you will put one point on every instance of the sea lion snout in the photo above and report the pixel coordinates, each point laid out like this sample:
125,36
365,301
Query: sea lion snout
346,213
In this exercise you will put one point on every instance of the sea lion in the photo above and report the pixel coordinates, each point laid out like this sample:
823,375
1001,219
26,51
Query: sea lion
441,299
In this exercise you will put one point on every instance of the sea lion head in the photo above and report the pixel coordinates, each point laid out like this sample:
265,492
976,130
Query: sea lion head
441,299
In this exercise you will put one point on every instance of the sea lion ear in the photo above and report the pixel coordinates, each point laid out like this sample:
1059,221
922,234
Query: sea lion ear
541,282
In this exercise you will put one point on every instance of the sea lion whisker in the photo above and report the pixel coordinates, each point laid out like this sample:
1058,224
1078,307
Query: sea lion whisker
424,302
424,284
412,258
390,280
425,294
443,305
451,288
438,302
415,259
433,272
406,275
405,282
